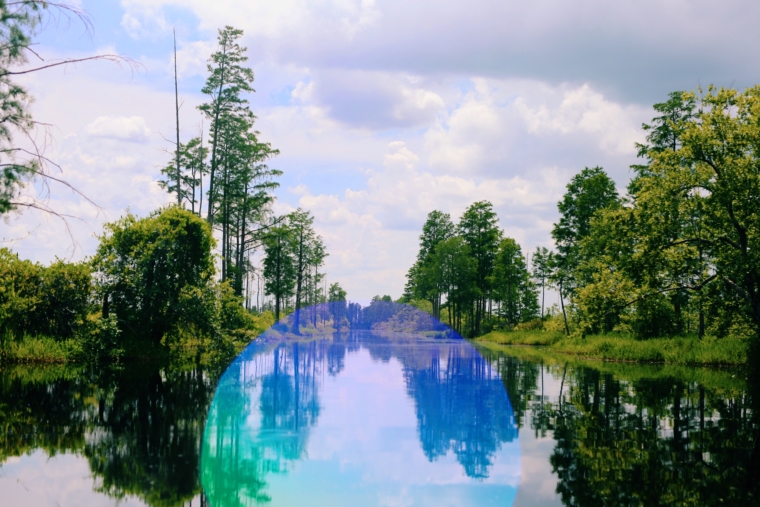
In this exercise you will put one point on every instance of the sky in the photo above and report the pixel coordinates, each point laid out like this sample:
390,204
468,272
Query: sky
383,110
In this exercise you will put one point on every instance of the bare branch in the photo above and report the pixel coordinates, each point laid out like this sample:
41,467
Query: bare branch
118,59
694,287
35,204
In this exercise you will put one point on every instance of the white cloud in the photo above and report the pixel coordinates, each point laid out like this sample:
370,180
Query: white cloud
640,51
122,128
371,233
583,110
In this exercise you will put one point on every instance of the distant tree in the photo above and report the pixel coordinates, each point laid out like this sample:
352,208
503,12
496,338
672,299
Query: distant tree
511,283
279,270
457,267
308,252
478,229
337,301
423,283
542,261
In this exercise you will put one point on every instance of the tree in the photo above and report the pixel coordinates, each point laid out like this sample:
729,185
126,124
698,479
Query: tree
228,79
478,229
337,301
588,192
542,261
716,169
279,270
511,284
457,270
191,161
309,252
36,300
147,268
422,279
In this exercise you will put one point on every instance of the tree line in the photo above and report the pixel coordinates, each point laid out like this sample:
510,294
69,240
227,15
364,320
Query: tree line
238,194
676,254
155,281
473,276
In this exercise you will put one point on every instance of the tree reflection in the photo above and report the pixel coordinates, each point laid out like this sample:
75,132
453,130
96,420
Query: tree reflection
282,385
653,442
621,438
139,428
460,403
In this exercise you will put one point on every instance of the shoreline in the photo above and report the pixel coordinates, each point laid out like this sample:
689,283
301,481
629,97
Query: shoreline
681,351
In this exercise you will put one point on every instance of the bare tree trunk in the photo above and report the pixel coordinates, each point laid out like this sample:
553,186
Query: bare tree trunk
215,128
564,315
176,110
299,284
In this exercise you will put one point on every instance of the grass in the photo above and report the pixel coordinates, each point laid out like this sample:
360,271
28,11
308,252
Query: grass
40,349
684,351
728,379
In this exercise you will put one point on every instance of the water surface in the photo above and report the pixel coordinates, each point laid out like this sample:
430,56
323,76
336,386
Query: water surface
399,433
361,419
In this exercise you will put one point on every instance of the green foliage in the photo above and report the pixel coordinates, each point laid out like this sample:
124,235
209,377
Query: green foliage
601,301
424,277
588,192
620,347
473,278
679,254
293,254
192,160
457,270
512,286
40,349
102,339
37,300
337,302
279,270
149,268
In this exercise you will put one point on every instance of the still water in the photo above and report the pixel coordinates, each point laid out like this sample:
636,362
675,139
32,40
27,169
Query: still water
385,419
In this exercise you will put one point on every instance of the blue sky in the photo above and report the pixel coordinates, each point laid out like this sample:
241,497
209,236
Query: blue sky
383,110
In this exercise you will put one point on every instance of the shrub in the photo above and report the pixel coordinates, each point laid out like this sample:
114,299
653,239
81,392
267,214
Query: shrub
101,339
148,269
37,300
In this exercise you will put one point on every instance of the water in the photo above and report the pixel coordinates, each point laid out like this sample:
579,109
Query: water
377,419
363,419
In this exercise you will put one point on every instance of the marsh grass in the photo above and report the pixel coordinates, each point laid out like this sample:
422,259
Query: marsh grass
726,379
40,349
618,347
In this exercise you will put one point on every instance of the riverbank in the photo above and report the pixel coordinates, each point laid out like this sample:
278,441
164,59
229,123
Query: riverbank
689,351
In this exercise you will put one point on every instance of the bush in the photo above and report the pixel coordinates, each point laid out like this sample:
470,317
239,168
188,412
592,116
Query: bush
531,325
150,269
654,318
37,300
101,340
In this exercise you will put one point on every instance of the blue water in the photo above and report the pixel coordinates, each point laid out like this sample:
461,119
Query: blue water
361,419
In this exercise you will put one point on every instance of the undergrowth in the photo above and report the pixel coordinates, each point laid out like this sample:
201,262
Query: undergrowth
618,347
